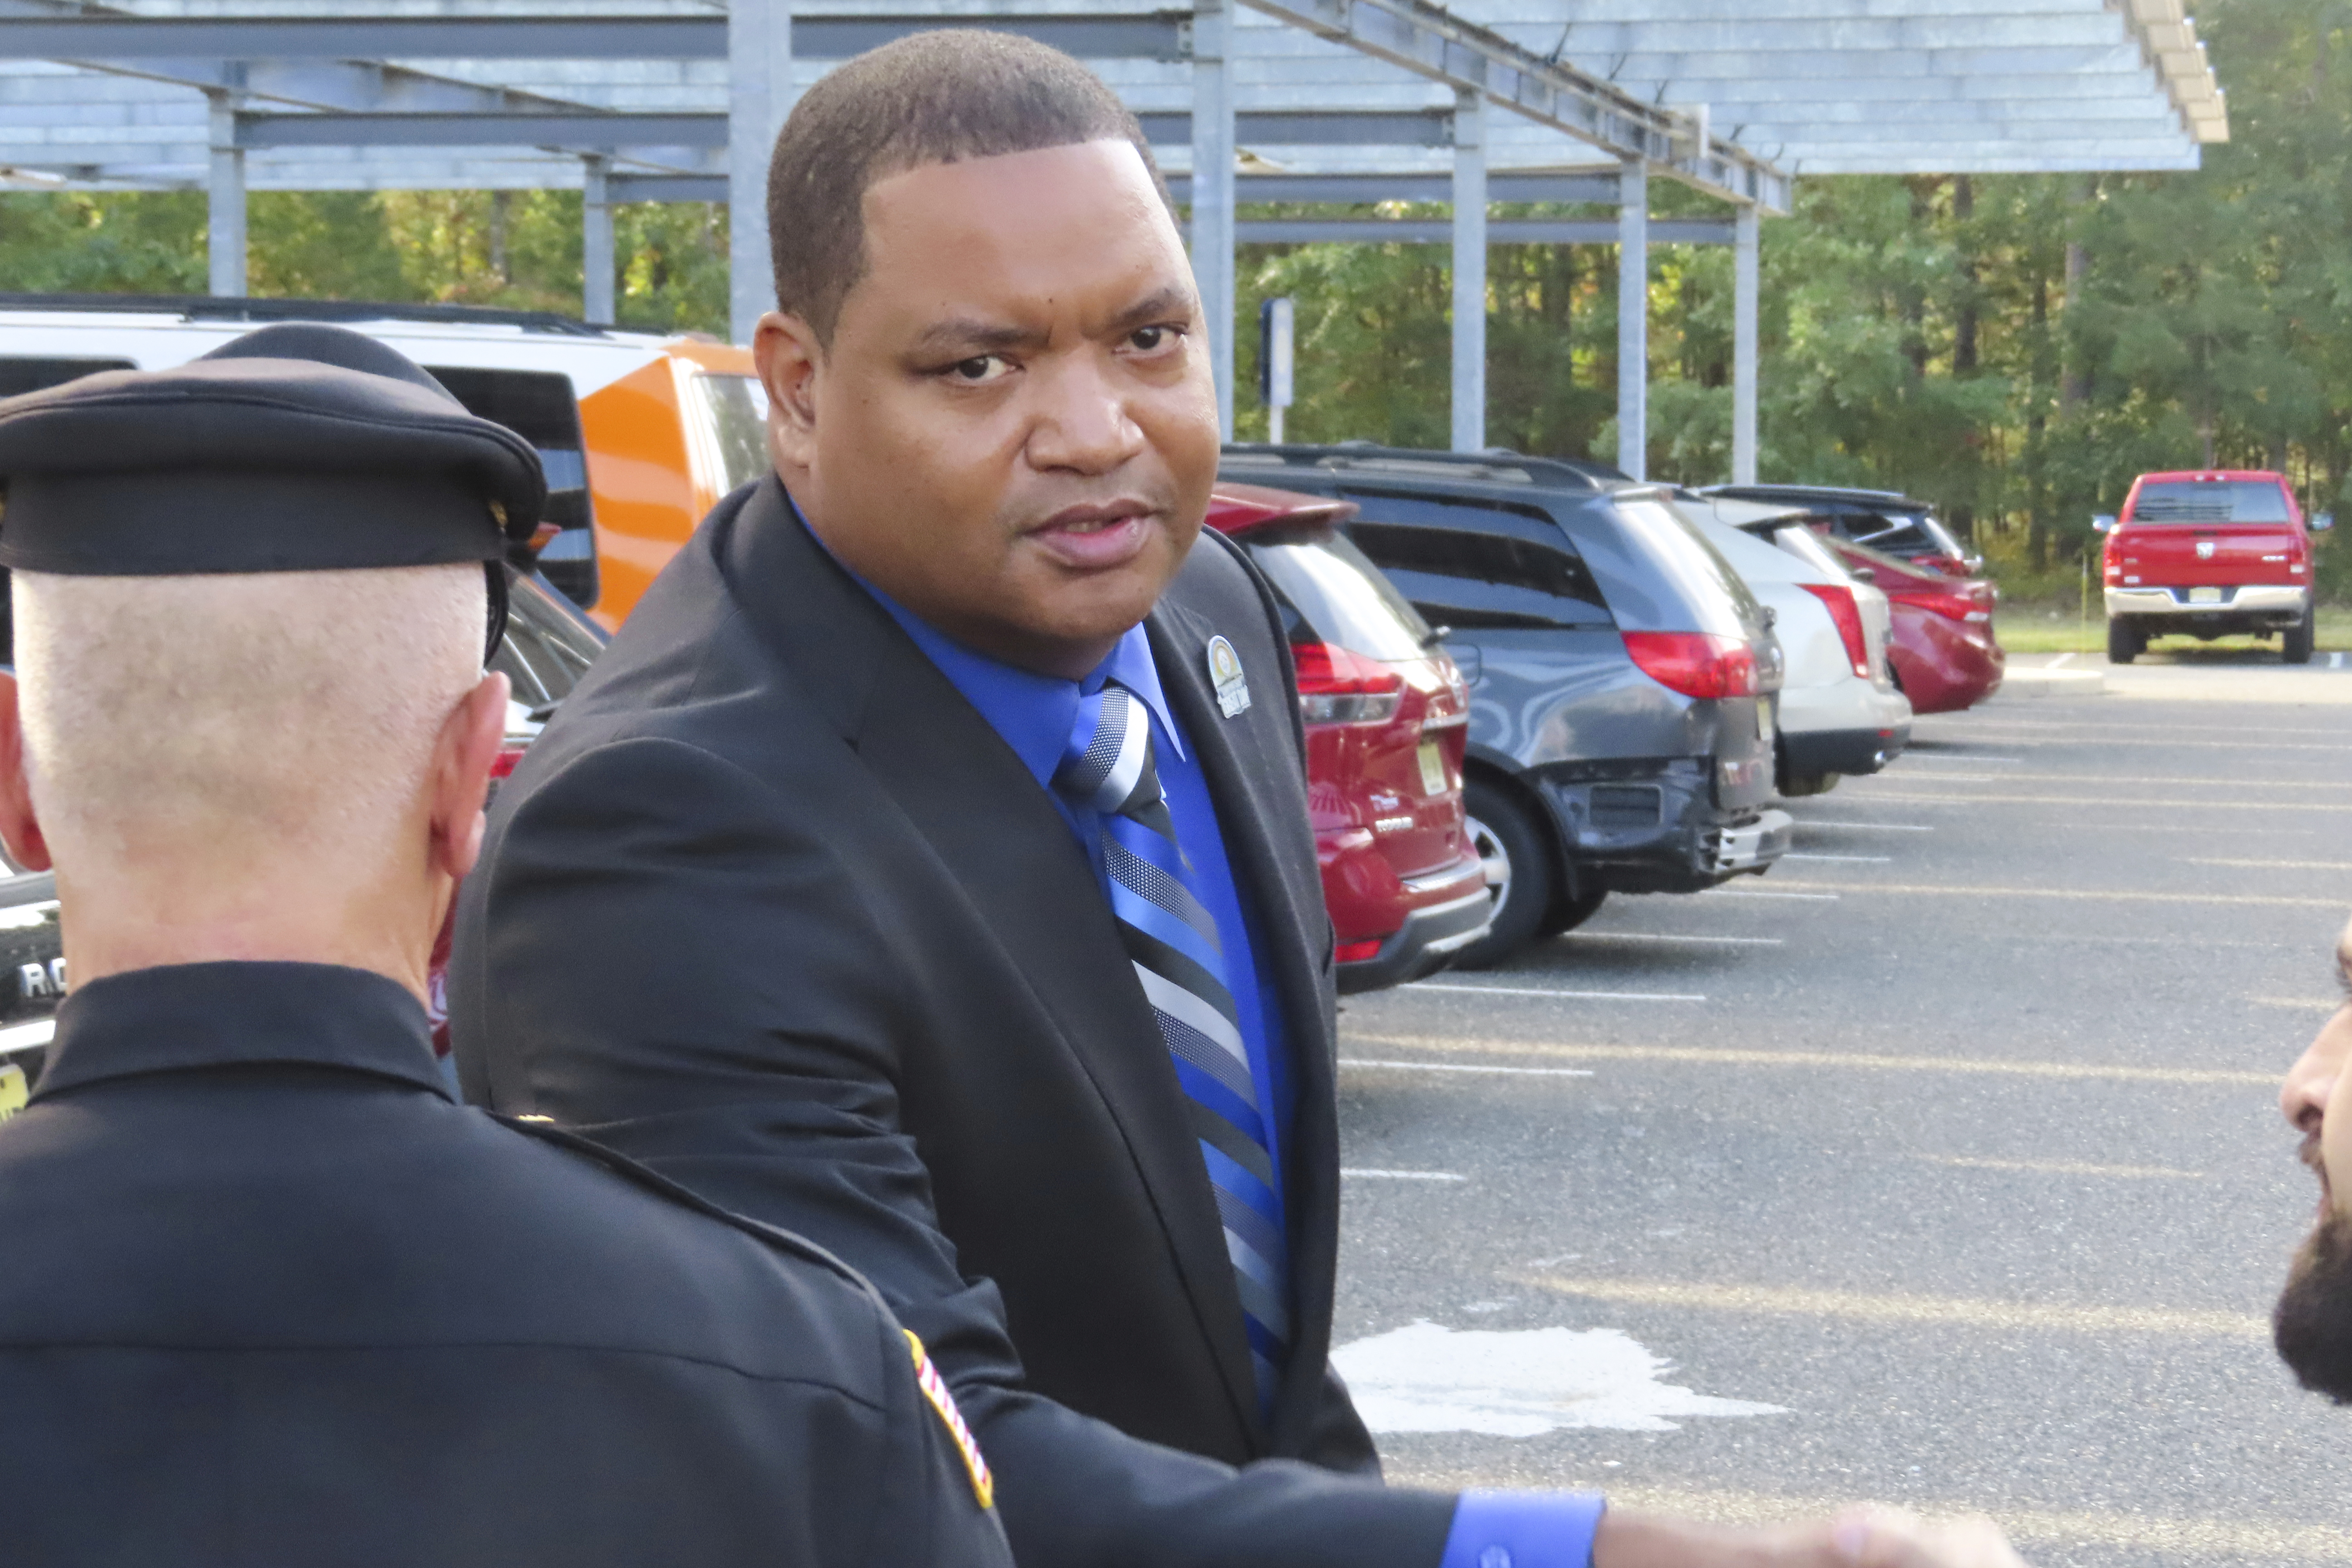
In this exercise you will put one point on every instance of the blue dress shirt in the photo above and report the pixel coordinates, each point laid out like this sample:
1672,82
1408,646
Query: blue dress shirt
1035,714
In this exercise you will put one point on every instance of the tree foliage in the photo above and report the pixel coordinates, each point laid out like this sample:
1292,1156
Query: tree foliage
2013,347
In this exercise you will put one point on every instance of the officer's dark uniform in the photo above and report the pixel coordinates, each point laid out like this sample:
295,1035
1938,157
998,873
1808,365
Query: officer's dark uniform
268,1296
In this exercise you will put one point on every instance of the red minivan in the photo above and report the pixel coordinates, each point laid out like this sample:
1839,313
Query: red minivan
1387,720
2207,554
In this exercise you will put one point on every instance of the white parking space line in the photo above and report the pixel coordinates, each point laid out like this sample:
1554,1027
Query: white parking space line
2061,662
1465,1066
1571,995
1867,826
1402,1175
2269,864
1960,757
1745,893
2062,1168
1843,860
1663,936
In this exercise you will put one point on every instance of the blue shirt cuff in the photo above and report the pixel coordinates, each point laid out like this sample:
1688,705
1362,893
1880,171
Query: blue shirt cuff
1523,1530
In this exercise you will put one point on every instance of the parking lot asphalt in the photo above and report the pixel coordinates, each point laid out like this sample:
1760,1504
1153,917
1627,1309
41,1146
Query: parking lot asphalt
1942,1165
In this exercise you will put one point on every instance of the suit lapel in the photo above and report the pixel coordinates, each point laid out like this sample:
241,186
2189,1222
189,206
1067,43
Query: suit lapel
1263,815
1002,842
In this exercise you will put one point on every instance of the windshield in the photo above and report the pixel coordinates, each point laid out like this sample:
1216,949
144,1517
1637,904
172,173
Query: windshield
735,413
2211,500
1340,597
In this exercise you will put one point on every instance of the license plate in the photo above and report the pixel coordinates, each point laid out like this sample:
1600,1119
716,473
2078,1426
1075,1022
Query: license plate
1433,781
12,1090
1763,717
2204,595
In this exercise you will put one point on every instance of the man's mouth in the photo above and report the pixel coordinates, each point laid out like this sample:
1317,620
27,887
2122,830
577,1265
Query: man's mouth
1097,537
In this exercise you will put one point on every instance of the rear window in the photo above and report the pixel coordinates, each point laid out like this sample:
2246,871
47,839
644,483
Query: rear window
540,407
2211,500
734,411
546,649
1338,596
1712,594
1899,533
1478,566
26,373
1806,545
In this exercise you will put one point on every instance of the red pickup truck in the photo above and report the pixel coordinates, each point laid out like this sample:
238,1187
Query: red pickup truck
2207,554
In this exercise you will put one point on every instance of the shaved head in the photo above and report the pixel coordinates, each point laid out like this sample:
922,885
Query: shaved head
238,722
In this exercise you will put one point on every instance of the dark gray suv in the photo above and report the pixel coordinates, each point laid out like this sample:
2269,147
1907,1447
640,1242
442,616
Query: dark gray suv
1622,677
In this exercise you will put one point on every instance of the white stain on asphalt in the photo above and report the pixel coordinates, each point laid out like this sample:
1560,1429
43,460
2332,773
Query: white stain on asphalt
1428,1378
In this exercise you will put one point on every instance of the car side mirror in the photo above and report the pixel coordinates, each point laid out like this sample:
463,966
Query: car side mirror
2323,523
2102,523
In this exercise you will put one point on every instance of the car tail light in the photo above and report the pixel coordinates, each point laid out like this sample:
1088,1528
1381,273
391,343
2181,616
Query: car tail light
1959,607
1695,663
509,755
1839,600
1340,685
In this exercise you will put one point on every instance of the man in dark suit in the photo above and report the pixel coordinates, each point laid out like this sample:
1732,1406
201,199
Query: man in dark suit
926,863
267,1296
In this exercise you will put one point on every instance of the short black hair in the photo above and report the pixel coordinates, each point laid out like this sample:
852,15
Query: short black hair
936,97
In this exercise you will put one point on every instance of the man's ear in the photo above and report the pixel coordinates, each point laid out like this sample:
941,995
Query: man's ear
789,359
20,829
462,759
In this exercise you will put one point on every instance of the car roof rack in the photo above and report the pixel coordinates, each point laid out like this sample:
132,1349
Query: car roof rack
1826,492
1499,463
222,307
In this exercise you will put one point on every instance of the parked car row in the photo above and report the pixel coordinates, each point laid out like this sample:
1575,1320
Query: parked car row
1526,683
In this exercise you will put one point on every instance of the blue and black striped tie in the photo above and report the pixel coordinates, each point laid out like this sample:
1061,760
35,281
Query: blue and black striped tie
1172,942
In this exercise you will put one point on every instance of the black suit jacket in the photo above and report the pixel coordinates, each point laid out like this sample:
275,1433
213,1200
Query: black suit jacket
269,1299
770,907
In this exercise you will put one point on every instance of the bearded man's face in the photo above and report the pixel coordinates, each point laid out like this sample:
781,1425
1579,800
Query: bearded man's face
2313,1324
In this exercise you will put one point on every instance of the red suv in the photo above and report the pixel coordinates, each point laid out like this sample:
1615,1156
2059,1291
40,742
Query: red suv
1387,724
2209,554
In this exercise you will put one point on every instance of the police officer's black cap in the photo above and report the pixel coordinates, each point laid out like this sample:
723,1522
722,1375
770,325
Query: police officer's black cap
299,446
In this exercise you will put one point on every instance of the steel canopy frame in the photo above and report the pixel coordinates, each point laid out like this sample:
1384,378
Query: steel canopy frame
1730,96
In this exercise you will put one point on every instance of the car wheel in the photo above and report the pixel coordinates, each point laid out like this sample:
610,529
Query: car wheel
2294,644
1566,913
1516,855
2124,642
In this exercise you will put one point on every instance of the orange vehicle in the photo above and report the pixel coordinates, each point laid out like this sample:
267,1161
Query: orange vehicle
665,441
639,433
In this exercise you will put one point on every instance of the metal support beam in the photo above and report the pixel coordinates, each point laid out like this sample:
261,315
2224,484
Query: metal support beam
1633,319
1743,347
1469,271
1431,42
596,241
225,203
1212,132
1102,35
1248,188
1499,231
1305,127
759,95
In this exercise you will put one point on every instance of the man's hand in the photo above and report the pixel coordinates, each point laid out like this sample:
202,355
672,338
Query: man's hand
1876,1537
1869,1536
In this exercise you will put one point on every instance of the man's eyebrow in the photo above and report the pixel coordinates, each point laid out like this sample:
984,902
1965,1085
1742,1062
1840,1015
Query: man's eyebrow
971,334
1174,299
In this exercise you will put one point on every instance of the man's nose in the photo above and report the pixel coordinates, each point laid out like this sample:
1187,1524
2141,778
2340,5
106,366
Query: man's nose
1083,424
2303,1099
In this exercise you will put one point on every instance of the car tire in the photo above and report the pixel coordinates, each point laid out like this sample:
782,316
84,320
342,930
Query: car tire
1515,854
2124,642
1568,913
2295,642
